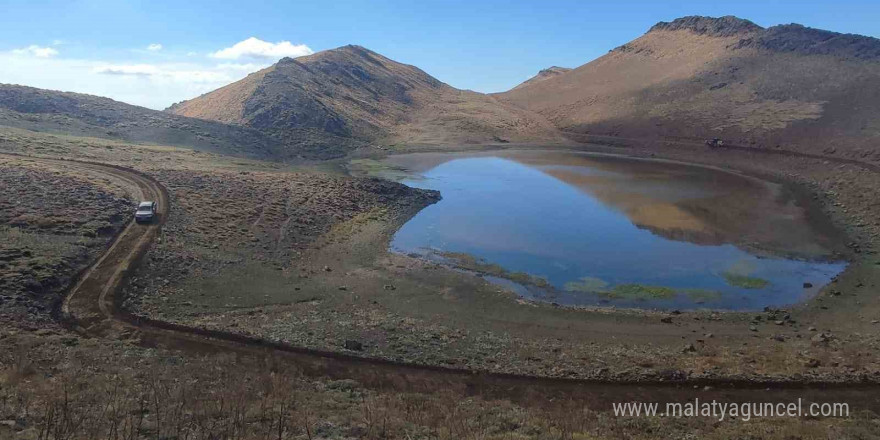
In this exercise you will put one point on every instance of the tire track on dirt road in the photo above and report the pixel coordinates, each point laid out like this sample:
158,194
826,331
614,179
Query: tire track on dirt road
93,308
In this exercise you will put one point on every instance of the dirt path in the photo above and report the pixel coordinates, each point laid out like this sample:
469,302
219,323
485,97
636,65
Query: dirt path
92,308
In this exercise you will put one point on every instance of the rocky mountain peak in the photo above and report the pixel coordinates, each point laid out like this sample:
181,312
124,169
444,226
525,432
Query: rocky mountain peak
726,26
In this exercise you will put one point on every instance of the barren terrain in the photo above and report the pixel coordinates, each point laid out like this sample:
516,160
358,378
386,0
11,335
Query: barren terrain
346,293
785,87
378,404
54,221
336,101
264,302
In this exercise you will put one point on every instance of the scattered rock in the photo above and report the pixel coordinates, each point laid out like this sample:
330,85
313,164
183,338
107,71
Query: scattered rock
753,328
822,338
812,363
689,348
389,287
808,285
666,320
353,345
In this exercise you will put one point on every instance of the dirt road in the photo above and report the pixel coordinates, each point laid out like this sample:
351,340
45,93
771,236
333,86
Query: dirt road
92,308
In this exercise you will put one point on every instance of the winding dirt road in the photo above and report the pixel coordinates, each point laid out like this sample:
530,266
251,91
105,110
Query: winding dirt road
92,308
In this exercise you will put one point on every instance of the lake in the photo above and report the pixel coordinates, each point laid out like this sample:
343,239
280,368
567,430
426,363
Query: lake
589,230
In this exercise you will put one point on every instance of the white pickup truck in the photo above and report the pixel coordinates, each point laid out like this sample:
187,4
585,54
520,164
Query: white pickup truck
146,212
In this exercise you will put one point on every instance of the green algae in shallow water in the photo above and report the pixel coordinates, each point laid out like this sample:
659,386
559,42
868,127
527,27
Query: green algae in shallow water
639,291
586,285
745,282
470,262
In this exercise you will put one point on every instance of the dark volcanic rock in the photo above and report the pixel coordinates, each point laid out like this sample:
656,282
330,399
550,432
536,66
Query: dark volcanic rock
717,27
353,345
809,41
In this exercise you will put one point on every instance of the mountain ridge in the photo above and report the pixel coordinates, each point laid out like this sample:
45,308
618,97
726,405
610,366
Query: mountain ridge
785,86
694,78
358,97
725,26
95,116
543,75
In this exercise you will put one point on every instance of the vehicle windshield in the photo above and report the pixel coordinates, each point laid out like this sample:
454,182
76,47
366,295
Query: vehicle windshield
145,207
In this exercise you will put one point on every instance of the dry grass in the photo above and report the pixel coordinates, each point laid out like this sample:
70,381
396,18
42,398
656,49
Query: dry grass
119,391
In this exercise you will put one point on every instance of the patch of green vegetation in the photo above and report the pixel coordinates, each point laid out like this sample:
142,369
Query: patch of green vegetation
470,262
746,282
586,285
703,295
643,292
742,267
639,292
593,285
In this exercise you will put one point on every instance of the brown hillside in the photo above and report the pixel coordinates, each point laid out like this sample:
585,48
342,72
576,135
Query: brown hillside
334,101
93,116
545,74
786,87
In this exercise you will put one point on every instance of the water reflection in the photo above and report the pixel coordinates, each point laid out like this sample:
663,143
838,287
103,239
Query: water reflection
583,230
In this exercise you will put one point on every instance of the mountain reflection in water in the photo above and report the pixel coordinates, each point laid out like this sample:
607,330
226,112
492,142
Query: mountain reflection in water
607,230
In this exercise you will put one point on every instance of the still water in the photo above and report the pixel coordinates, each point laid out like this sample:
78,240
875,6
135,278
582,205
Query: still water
577,229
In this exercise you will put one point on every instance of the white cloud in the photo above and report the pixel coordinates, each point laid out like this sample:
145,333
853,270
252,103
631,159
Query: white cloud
256,48
143,78
153,85
128,69
37,51
247,67
155,47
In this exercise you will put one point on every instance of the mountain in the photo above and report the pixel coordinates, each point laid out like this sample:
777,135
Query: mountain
332,102
550,72
787,86
86,115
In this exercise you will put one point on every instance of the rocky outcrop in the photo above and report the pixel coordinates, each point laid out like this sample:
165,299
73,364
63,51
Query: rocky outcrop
726,26
804,40
543,75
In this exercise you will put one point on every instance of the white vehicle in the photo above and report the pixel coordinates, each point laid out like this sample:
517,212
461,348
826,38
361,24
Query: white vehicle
146,212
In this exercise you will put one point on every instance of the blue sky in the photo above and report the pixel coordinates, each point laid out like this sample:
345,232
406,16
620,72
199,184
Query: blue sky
104,47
